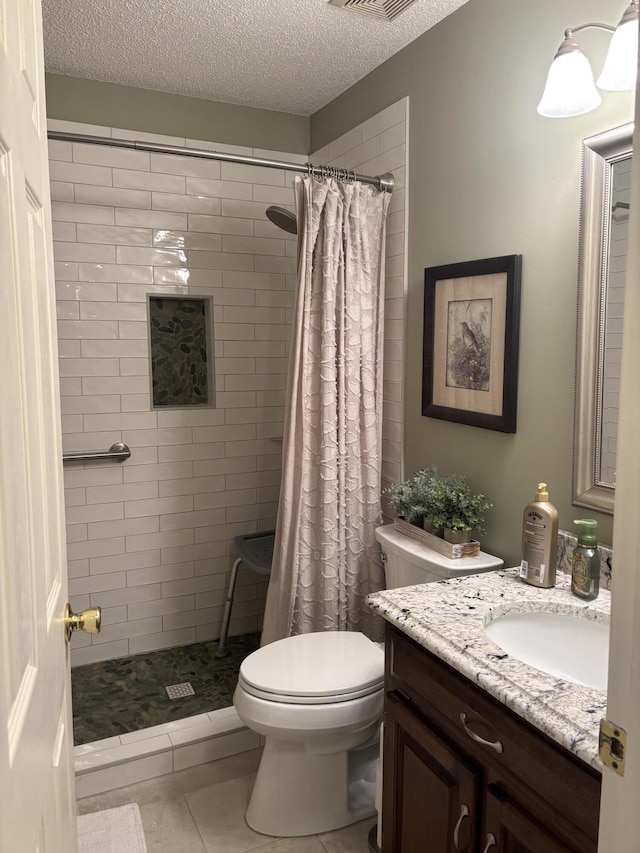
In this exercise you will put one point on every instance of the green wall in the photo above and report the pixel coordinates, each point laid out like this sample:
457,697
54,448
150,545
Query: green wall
487,177
92,102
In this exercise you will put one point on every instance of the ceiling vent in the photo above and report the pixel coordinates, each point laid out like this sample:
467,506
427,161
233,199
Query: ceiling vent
385,10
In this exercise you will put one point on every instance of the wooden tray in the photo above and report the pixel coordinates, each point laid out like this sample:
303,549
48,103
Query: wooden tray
454,552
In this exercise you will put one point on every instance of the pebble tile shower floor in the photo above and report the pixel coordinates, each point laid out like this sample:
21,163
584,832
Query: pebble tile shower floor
127,694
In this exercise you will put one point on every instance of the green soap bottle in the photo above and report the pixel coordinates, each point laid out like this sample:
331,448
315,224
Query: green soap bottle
585,563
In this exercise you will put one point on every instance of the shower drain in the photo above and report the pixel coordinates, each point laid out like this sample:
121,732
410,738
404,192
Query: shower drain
177,691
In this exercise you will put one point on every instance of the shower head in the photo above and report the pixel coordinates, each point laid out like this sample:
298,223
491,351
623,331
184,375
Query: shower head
283,218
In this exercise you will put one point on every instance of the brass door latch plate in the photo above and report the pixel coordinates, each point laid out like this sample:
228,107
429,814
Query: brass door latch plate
612,745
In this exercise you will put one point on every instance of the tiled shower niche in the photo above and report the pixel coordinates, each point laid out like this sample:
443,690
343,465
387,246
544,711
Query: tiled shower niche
180,345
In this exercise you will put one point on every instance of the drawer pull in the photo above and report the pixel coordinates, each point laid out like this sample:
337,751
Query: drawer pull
491,842
494,744
464,812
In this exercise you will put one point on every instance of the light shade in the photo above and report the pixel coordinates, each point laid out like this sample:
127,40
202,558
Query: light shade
570,90
620,69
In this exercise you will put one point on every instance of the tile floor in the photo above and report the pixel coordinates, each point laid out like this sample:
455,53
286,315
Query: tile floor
201,810
123,695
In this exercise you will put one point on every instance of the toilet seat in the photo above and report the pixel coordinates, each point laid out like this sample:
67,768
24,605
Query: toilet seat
293,699
314,669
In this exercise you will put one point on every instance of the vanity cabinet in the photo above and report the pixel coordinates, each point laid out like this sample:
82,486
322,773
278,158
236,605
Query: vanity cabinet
511,830
463,774
436,789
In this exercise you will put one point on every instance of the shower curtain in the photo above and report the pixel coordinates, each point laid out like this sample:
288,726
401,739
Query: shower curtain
326,559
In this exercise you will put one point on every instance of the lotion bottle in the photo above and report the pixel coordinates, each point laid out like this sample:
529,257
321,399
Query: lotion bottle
539,541
585,563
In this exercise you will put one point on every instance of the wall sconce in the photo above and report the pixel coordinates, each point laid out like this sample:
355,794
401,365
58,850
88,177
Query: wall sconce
570,90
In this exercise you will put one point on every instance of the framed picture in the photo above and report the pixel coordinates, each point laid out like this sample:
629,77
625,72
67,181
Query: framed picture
470,344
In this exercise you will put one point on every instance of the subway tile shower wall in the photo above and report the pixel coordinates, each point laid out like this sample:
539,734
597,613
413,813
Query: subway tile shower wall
151,540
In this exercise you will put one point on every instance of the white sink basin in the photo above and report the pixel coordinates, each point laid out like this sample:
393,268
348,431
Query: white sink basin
569,647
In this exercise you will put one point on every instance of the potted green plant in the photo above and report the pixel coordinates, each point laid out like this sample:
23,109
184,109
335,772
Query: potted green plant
462,511
441,503
419,499
409,499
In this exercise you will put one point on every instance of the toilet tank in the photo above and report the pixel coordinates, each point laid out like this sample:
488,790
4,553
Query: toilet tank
408,562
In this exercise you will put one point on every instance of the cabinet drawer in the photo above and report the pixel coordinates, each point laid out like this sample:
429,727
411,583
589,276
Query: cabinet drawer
514,752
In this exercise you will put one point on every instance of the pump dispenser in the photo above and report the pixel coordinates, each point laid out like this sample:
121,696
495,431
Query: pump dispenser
539,540
585,563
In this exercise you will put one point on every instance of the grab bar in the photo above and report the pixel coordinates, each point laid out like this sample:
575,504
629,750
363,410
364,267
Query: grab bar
117,451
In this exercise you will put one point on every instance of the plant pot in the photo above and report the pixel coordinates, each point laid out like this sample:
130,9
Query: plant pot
416,523
428,526
457,537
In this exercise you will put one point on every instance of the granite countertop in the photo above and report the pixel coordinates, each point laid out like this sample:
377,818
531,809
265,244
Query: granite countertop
448,619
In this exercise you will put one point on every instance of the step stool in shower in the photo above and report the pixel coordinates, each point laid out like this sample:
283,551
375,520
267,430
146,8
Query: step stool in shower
255,551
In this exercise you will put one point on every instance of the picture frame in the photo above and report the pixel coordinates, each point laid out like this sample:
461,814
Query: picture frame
470,342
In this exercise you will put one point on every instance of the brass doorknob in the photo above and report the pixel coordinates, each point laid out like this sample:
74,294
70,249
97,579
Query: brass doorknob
87,620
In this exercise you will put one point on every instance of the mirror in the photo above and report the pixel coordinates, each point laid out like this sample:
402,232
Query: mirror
604,223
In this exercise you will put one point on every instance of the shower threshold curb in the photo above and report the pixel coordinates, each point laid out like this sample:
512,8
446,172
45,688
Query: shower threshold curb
136,756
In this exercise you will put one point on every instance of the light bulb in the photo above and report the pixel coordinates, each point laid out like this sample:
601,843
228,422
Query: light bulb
570,90
620,68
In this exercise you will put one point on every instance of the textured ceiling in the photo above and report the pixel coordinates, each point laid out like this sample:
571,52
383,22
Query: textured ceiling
289,55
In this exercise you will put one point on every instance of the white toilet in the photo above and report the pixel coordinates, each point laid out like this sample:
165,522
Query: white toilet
317,699
407,561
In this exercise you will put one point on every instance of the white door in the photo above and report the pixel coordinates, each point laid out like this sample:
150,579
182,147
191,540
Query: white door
619,812
37,800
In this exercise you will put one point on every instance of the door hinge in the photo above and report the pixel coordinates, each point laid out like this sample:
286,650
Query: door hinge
612,744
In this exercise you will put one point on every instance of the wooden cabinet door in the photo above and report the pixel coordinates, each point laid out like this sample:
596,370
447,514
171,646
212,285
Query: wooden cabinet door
431,793
509,829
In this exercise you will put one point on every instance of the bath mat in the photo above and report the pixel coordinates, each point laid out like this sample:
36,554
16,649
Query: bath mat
112,831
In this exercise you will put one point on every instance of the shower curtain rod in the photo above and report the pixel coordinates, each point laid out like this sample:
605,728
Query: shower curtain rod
385,183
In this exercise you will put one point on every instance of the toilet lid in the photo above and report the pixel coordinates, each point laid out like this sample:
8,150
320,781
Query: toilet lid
321,667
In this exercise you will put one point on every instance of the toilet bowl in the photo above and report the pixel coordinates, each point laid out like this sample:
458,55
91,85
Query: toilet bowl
317,700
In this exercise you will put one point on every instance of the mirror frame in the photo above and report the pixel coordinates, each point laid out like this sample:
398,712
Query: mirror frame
599,152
